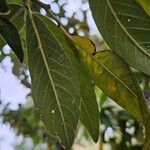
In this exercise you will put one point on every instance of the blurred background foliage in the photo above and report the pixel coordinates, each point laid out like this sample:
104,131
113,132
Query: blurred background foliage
118,129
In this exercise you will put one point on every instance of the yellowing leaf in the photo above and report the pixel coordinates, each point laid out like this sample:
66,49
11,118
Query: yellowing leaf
88,44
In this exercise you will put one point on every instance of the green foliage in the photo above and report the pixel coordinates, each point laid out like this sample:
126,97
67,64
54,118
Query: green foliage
120,121
16,17
67,70
112,75
55,77
145,5
128,33
11,36
4,10
89,117
26,122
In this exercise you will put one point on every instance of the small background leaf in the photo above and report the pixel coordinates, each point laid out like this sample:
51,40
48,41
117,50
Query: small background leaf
11,36
16,17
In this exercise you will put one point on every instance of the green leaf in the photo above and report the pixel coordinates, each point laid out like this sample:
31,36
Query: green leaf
16,16
89,107
145,5
11,36
112,75
89,116
4,10
126,28
15,1
114,78
54,81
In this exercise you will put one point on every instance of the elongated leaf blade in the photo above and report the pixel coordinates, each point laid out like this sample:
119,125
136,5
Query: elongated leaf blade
115,79
126,28
89,108
11,36
4,10
54,81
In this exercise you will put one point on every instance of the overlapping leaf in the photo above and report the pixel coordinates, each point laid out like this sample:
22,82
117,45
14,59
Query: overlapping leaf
89,108
16,16
4,10
11,36
54,81
126,28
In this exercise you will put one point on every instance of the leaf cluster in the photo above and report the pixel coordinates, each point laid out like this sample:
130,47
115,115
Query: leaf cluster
65,68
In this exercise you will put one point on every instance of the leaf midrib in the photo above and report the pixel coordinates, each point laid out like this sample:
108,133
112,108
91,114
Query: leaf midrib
49,74
103,66
126,32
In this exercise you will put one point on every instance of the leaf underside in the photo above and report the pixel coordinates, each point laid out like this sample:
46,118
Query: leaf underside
145,5
54,81
126,29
